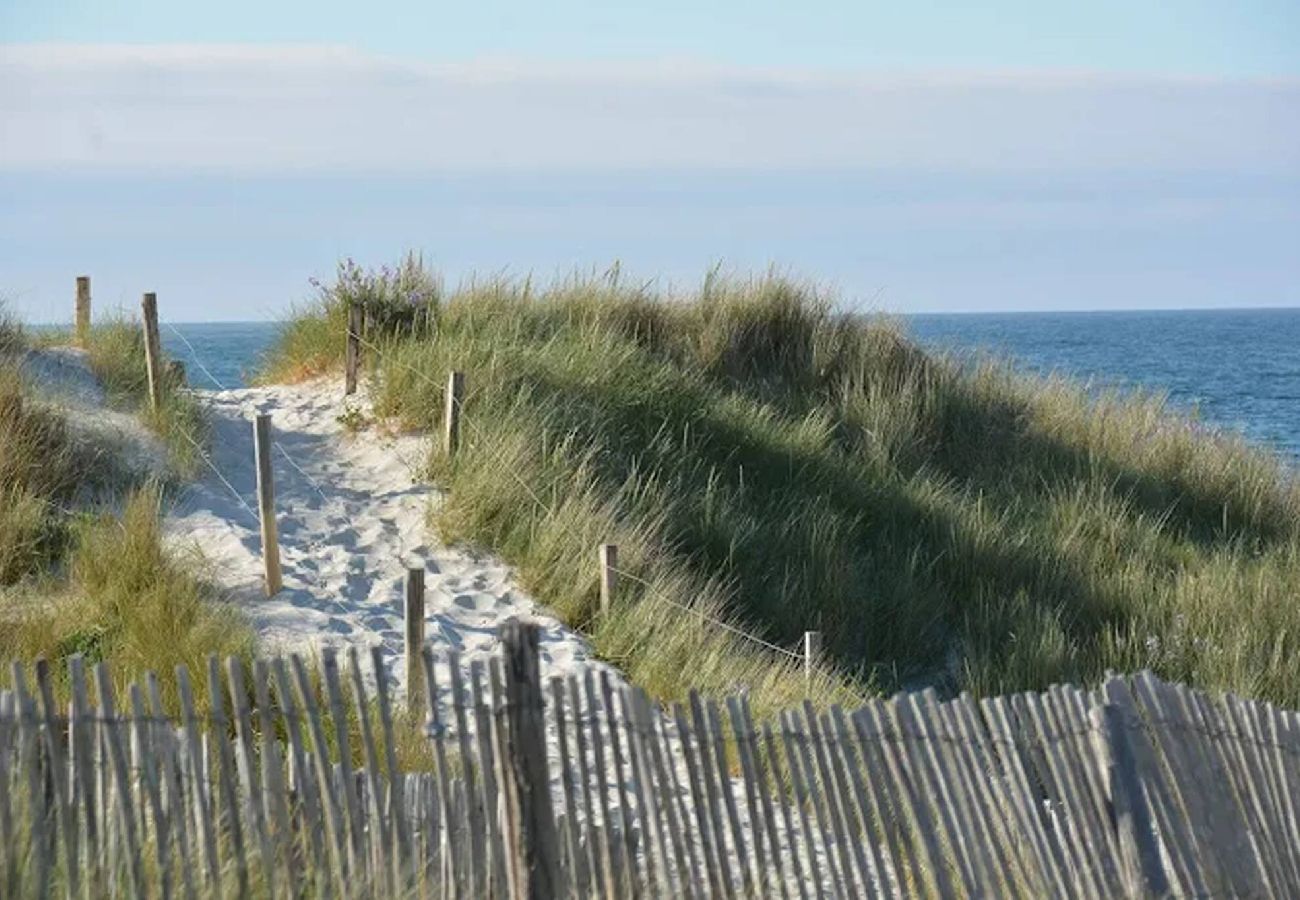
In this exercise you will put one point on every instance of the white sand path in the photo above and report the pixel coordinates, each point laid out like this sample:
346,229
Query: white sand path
351,522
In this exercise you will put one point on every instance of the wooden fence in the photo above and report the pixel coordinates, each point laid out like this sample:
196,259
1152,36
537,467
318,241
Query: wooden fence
288,785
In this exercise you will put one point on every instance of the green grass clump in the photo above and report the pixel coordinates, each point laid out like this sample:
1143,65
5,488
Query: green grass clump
115,353
124,599
759,455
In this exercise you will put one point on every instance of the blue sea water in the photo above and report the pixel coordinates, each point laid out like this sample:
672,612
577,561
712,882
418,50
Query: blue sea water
1239,369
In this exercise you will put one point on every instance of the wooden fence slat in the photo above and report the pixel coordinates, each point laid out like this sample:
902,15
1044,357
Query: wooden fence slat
887,808
652,840
869,812
878,727
701,821
841,881
348,784
1255,862
1187,797
536,838
760,777
620,765
200,788
759,859
664,774
252,792
870,872
714,736
677,803
81,739
1254,845
850,861
396,784
494,870
166,745
41,835
378,834
714,784
152,789
991,802
121,779
578,877
477,852
597,848
335,827
1035,743
782,794
620,871
59,784
434,728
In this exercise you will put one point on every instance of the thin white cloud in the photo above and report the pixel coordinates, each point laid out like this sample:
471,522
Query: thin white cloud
331,109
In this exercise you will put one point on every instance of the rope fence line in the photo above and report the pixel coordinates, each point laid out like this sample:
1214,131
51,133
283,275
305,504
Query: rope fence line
194,354
479,433
216,471
776,648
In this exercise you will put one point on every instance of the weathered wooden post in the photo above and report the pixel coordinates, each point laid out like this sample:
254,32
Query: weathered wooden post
530,822
83,308
266,503
451,414
352,357
414,638
152,349
812,651
608,556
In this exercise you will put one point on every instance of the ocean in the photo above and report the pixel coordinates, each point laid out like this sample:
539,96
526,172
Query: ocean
1238,369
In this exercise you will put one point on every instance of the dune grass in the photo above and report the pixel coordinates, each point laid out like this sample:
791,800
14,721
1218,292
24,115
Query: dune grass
115,353
760,456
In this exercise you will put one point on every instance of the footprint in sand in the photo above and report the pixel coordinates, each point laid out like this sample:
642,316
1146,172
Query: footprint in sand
337,625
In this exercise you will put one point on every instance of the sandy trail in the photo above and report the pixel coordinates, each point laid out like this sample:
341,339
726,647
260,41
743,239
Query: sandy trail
351,518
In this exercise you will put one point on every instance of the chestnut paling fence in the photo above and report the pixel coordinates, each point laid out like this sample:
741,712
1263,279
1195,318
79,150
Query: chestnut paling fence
579,786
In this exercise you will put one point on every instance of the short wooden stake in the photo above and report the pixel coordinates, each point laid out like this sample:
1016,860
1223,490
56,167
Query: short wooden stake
414,638
608,555
152,349
812,651
83,308
451,413
352,358
266,503
530,833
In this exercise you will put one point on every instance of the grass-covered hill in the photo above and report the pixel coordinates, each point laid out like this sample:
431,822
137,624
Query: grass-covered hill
762,457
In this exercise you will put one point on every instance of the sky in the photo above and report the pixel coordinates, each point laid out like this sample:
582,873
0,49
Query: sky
912,157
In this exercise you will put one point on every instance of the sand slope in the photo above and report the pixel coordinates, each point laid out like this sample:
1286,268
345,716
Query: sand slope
351,522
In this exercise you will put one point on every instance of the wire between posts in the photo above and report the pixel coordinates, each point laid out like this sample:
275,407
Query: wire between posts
194,354
705,616
217,472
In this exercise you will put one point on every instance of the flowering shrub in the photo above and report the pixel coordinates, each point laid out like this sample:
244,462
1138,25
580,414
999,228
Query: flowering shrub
397,300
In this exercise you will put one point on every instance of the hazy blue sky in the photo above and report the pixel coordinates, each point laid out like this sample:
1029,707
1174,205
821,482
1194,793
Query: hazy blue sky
918,156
